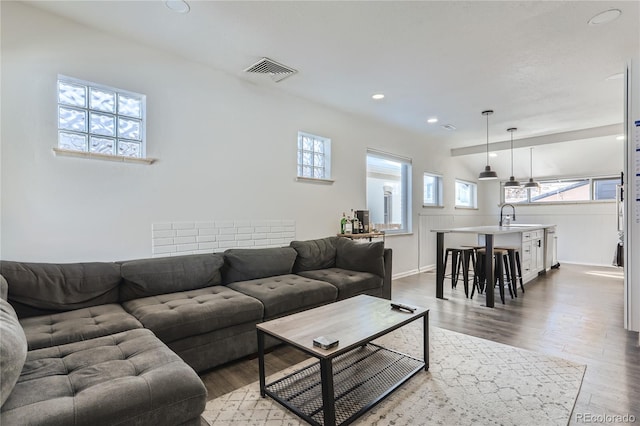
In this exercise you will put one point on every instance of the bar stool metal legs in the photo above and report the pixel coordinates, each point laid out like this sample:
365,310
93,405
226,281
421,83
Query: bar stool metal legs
462,259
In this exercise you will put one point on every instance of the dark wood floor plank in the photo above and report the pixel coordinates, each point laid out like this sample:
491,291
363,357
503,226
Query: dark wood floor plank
575,312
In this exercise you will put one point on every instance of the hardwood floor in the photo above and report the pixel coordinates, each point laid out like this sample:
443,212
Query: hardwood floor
574,312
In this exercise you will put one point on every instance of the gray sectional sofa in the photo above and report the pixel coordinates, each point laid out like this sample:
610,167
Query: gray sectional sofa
121,342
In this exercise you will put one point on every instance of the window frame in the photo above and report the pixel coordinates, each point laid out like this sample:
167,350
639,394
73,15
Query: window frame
592,181
474,194
405,182
88,110
438,189
326,154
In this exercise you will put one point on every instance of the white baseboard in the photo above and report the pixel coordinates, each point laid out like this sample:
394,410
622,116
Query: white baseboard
589,264
414,272
405,274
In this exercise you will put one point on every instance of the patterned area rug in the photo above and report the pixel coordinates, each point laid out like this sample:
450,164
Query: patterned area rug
470,381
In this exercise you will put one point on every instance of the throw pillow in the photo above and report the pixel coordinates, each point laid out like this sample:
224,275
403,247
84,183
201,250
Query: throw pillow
362,257
13,349
314,254
249,264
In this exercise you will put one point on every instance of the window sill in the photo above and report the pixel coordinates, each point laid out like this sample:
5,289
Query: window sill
105,157
315,180
465,208
432,206
561,203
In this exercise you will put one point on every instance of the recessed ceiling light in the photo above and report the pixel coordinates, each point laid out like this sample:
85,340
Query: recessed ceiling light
432,120
449,127
179,6
605,17
620,138
378,96
493,154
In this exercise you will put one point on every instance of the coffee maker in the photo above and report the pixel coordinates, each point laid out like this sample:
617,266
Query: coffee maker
363,217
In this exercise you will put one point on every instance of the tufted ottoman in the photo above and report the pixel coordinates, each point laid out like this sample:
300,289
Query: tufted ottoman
74,326
123,379
285,294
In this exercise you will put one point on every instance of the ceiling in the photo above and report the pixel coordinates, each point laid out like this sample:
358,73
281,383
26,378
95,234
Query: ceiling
538,64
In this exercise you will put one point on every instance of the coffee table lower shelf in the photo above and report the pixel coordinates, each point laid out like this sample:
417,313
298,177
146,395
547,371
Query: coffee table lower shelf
361,378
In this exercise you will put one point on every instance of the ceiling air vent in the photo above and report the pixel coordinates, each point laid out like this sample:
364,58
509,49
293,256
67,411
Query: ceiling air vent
278,72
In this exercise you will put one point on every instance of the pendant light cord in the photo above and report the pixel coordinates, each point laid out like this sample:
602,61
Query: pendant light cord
511,153
487,139
531,163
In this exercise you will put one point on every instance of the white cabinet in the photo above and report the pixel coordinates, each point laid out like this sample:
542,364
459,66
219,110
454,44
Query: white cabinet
532,254
532,246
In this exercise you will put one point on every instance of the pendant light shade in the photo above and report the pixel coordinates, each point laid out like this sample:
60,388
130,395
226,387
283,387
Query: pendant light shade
531,183
512,180
487,174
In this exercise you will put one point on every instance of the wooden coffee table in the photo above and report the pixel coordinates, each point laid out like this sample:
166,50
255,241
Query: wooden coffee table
354,376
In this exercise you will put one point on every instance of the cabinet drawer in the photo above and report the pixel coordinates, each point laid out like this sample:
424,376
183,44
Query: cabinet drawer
526,236
526,251
526,267
537,234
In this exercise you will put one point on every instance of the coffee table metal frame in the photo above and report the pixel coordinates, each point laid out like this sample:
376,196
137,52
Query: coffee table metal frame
347,373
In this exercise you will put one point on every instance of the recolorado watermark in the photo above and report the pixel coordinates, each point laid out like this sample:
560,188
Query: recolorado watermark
605,418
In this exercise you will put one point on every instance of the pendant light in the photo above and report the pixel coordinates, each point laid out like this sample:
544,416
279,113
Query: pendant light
512,180
531,183
487,174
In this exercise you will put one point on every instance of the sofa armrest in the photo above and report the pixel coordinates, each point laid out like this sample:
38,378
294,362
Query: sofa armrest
386,283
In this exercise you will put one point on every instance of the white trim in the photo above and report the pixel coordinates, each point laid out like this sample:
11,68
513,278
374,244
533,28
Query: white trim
97,156
315,180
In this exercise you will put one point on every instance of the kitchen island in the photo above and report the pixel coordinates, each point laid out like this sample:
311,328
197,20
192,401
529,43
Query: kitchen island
530,238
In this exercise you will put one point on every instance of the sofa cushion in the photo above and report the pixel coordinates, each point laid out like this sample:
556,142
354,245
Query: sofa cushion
150,277
286,294
39,288
314,254
4,288
349,283
13,349
182,314
125,378
362,257
74,326
249,264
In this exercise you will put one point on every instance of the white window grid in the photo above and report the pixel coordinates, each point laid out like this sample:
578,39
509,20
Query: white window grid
314,156
100,119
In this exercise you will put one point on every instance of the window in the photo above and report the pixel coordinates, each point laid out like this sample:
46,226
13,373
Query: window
100,119
314,156
432,196
466,194
389,192
605,189
564,190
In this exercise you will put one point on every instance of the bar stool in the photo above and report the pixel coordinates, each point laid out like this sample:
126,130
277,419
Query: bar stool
461,258
515,266
501,268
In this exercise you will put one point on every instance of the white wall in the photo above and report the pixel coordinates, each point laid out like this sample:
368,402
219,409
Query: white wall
632,206
225,150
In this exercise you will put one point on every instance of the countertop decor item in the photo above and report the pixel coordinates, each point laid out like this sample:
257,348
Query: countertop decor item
487,174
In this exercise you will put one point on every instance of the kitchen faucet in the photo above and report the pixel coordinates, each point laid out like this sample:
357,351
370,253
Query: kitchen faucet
514,212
